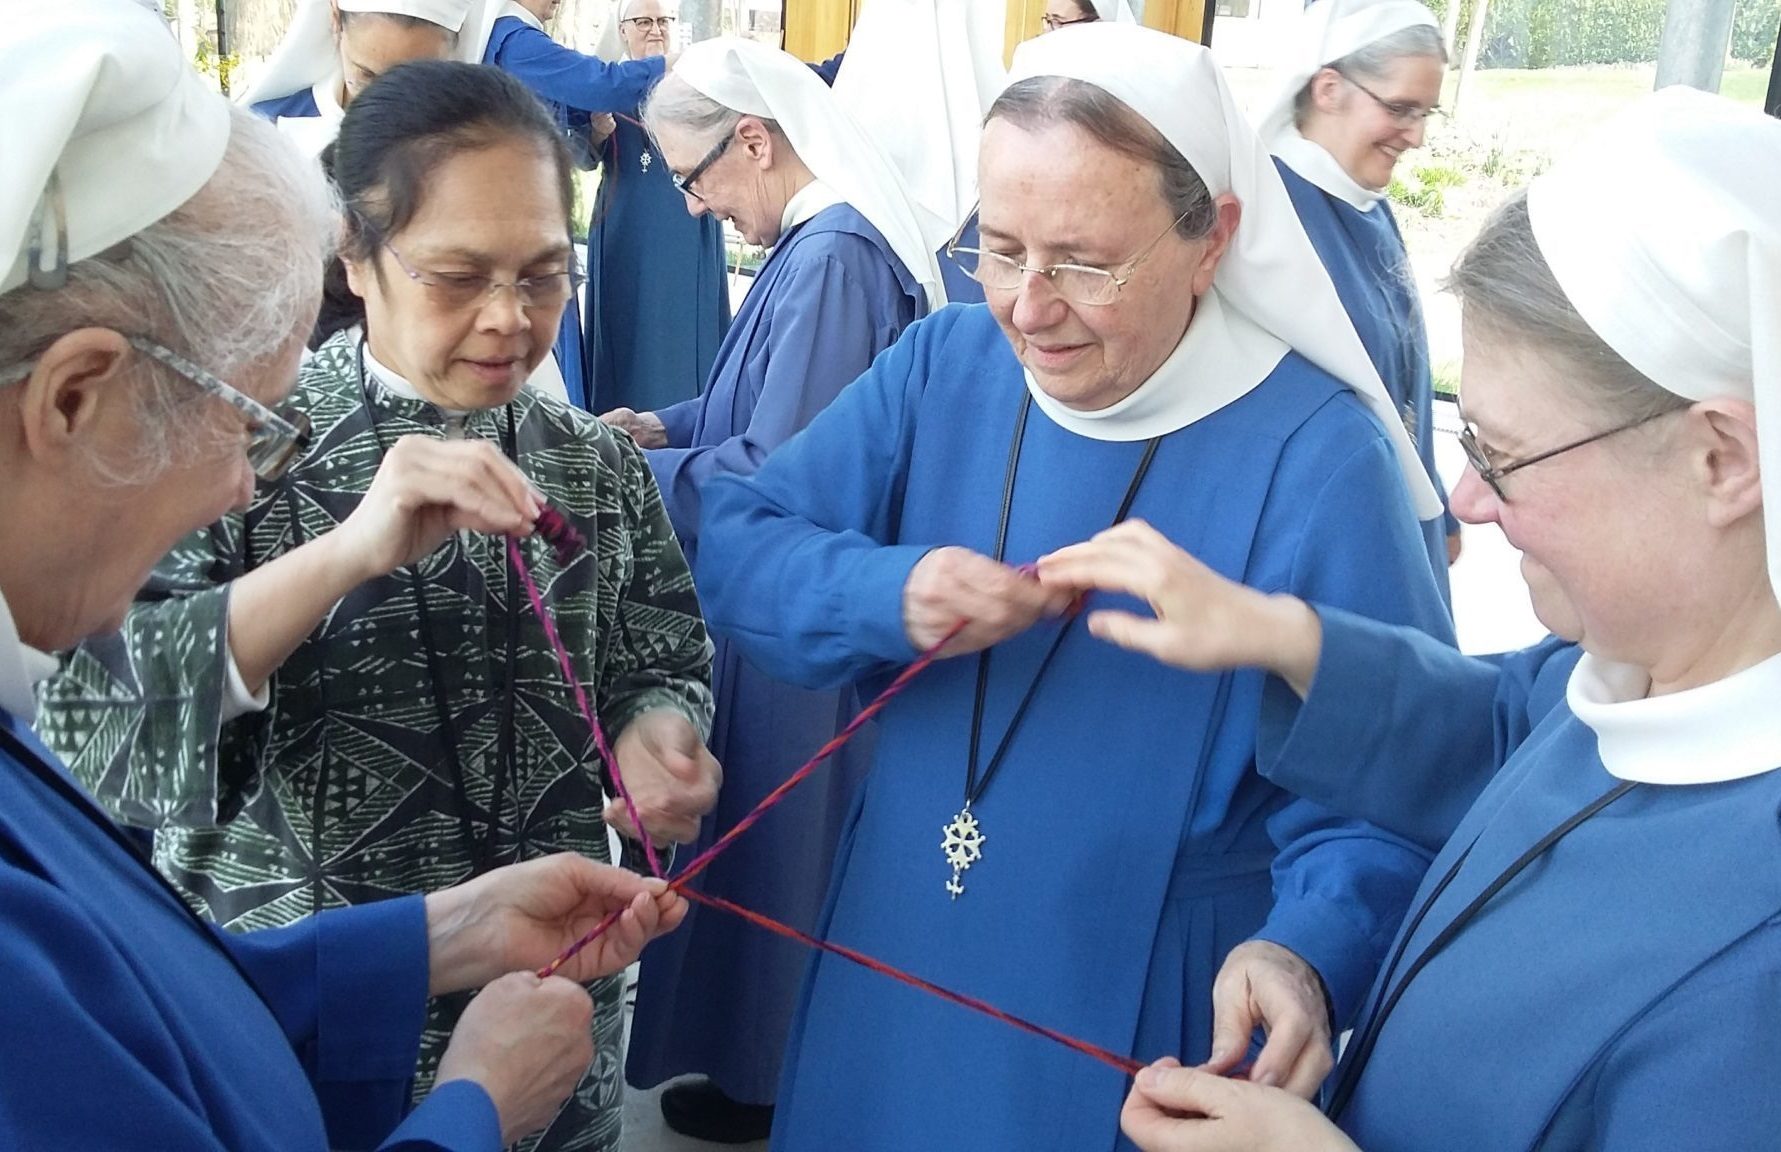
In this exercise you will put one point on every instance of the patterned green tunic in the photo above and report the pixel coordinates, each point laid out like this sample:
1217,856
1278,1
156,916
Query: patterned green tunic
343,789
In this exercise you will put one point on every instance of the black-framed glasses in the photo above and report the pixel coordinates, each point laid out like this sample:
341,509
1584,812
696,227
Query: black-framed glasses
685,183
276,437
1479,457
461,290
664,24
1053,23
1077,283
1403,113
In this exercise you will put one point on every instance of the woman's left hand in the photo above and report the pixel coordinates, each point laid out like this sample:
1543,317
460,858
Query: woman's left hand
1264,985
521,917
1176,1109
671,776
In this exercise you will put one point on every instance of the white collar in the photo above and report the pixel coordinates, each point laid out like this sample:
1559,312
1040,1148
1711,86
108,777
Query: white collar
1314,162
1727,730
522,13
1215,364
22,668
805,203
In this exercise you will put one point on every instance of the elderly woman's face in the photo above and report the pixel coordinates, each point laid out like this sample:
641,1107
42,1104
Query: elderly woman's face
370,44
644,30
740,177
1056,195
494,212
1062,13
1368,124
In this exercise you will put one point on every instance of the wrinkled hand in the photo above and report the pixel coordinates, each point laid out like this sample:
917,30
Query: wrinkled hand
1203,622
1264,985
424,491
645,428
669,773
599,128
952,584
1176,1109
527,1042
523,916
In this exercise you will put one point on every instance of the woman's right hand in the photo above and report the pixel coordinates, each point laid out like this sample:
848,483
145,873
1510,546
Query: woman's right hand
995,601
425,490
1176,1109
527,1042
645,428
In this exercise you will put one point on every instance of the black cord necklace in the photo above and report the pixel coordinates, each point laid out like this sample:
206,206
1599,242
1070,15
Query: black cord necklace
481,850
963,837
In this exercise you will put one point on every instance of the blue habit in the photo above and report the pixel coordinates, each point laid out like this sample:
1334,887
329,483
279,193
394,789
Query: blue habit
295,106
571,85
1622,995
1365,255
1130,844
131,1025
717,996
658,298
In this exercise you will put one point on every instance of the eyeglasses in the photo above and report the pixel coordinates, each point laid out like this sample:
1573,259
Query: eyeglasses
1053,23
685,183
460,290
1478,456
275,437
1402,113
1077,283
664,24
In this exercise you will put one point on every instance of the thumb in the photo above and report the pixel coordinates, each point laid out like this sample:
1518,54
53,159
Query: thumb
1188,1091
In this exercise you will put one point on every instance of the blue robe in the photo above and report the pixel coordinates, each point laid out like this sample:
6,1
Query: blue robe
1365,255
295,106
717,996
131,1025
658,296
1130,845
1623,995
571,85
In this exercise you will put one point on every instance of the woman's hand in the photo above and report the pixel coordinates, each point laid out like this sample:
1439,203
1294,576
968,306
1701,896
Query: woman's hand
1264,985
523,916
425,490
599,128
527,1042
645,428
995,601
670,775
1203,622
1176,1109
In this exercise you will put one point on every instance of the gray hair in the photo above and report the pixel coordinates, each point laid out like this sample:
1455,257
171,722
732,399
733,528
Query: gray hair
224,280
1045,100
675,103
1373,62
1504,283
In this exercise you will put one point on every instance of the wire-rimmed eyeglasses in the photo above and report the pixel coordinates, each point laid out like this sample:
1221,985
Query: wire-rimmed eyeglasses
1053,23
458,290
1077,283
1403,113
664,24
1478,456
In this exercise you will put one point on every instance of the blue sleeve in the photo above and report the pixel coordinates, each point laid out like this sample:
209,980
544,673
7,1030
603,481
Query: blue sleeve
349,988
565,76
798,563
1401,729
456,1116
823,332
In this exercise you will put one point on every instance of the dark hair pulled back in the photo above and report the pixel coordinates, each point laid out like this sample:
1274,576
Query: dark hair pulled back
396,134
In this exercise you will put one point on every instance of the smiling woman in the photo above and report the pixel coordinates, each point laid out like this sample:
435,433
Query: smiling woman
373,714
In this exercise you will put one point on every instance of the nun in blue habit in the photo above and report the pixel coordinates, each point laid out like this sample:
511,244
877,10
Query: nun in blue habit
849,271
131,1024
1366,75
1050,824
1593,963
658,294
574,86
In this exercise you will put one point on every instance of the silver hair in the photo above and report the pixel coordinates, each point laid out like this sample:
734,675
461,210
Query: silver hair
224,280
1373,62
1505,284
675,103
1044,100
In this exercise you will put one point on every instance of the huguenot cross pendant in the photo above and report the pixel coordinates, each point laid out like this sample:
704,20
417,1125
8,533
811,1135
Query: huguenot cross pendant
644,160
962,841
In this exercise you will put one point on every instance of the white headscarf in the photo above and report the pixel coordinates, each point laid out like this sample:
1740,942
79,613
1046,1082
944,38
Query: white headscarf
1115,11
1328,31
1664,230
919,77
1271,293
756,80
307,56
